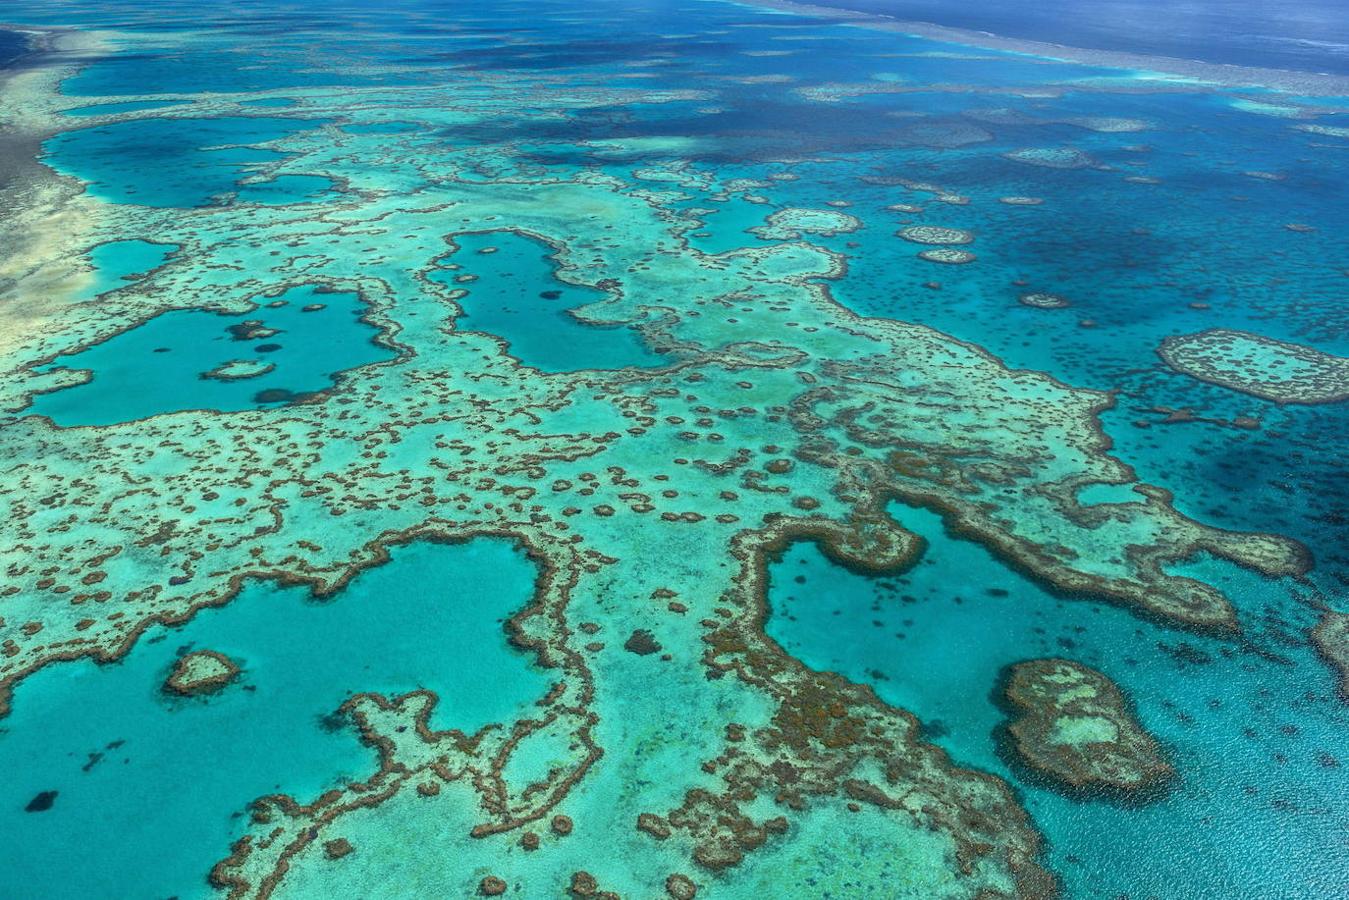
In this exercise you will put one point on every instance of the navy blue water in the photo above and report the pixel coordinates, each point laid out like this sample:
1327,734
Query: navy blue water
12,46
1304,35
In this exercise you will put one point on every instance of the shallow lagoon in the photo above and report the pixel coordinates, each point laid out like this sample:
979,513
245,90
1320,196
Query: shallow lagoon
139,773
165,365
511,291
116,263
175,163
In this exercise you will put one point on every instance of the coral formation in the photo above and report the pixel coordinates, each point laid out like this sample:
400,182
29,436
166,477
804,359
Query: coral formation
201,672
1075,727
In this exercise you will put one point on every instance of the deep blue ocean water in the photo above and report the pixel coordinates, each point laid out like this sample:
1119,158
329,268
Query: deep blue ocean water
12,46
1305,35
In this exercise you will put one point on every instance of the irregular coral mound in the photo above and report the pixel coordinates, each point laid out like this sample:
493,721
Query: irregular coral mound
948,255
1075,727
1044,301
935,234
240,368
1050,157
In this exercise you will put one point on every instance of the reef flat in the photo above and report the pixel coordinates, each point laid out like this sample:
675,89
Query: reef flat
1073,726
1271,369
1330,637
201,672
500,369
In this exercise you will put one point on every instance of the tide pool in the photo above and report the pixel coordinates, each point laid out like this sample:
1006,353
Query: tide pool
149,788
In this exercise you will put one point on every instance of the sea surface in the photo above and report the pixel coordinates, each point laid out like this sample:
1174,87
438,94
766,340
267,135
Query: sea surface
1303,35
483,193
12,46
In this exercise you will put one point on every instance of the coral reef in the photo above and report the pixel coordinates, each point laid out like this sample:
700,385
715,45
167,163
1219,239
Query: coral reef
201,672
1260,366
1075,727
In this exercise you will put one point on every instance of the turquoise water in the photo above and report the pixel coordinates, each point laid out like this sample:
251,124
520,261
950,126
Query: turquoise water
161,366
515,295
285,189
1258,741
118,262
108,109
138,772
174,162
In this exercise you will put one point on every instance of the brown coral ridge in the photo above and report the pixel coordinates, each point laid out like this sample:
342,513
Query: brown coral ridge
426,757
968,481
201,672
1330,638
831,741
1073,730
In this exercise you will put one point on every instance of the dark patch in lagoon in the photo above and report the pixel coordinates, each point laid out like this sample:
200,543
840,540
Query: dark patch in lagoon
42,802
281,395
333,722
642,643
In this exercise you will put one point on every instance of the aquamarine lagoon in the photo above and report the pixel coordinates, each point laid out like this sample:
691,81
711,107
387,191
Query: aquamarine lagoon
673,448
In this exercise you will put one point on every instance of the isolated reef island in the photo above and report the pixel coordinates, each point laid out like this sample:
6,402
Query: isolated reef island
532,450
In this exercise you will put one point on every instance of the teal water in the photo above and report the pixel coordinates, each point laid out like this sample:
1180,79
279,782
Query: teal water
116,263
108,109
515,295
284,190
172,162
1258,740
160,366
138,773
